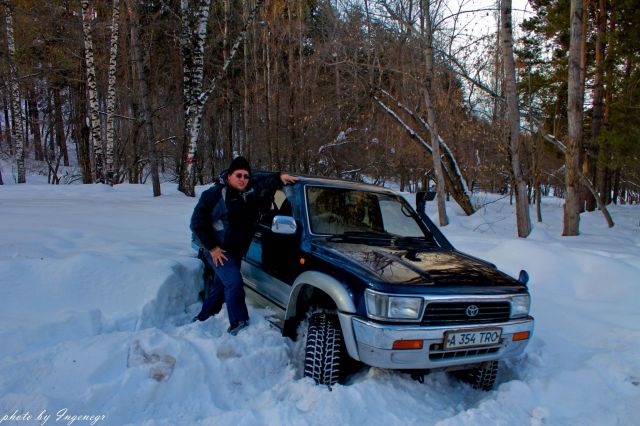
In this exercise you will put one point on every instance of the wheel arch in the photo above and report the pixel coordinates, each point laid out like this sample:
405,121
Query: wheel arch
338,296
314,280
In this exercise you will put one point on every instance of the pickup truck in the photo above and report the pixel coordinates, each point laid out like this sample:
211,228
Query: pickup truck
376,282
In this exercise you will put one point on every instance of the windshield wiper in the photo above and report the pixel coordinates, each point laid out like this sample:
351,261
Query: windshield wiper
366,235
405,241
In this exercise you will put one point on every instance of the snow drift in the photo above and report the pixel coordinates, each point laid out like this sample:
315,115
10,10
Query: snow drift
98,286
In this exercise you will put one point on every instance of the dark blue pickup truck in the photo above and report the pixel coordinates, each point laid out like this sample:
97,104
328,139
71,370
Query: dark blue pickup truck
375,281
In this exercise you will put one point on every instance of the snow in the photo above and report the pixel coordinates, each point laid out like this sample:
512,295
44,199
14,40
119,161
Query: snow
98,286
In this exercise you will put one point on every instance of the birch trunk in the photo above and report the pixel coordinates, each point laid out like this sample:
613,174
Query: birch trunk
146,103
93,93
431,113
195,104
571,218
17,130
193,68
523,219
111,90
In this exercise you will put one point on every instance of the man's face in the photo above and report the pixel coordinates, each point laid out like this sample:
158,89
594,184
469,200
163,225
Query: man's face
239,179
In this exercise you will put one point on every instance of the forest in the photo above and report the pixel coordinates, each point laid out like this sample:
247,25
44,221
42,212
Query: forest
125,91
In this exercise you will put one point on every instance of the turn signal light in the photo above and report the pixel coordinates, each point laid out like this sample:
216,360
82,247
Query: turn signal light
407,344
522,335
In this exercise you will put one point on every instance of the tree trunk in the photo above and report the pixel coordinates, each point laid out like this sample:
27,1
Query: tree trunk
93,93
111,91
268,93
146,102
453,176
523,219
244,149
35,125
61,137
192,42
81,131
7,124
431,112
17,130
571,218
598,94
536,176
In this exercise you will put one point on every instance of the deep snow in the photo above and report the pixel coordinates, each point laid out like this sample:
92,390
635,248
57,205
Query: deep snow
98,286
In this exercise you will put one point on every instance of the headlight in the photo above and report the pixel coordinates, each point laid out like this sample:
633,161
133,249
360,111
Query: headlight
383,306
520,306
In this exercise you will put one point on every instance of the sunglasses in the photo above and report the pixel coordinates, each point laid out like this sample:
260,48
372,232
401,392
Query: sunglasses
242,176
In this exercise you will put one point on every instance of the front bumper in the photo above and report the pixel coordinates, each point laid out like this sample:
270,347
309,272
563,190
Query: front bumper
372,343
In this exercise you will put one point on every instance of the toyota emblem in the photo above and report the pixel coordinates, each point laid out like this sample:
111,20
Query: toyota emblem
472,310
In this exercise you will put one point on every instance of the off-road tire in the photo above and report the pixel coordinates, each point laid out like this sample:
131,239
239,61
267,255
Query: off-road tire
481,377
324,350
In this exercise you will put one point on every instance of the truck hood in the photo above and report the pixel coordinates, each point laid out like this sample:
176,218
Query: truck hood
411,266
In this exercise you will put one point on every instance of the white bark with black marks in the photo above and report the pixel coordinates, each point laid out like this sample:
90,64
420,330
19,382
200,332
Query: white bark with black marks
93,92
194,35
17,130
194,104
111,90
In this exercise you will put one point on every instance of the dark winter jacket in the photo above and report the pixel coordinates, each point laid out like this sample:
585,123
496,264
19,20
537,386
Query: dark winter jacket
226,218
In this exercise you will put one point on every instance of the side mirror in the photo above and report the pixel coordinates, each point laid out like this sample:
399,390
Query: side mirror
422,197
523,277
285,225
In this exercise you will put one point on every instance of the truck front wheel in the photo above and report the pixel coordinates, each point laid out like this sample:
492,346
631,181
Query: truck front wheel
482,376
324,350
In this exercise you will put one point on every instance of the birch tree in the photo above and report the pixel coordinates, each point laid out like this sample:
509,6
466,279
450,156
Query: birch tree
87,16
523,219
571,217
17,130
111,90
196,99
194,35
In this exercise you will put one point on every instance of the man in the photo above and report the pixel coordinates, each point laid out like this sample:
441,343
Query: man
223,222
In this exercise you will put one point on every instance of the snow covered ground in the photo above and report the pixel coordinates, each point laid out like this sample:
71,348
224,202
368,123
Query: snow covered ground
98,286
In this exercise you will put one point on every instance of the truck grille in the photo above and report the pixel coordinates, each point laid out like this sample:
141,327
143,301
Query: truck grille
457,313
436,353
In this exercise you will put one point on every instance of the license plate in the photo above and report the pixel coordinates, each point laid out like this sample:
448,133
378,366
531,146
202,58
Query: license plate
466,339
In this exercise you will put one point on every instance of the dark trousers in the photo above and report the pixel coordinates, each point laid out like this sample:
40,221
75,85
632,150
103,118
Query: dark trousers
227,288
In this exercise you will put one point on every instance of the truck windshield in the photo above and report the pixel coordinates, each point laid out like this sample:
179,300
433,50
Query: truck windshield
338,211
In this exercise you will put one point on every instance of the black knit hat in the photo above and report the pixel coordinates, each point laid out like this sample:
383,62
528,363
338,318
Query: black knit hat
239,163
